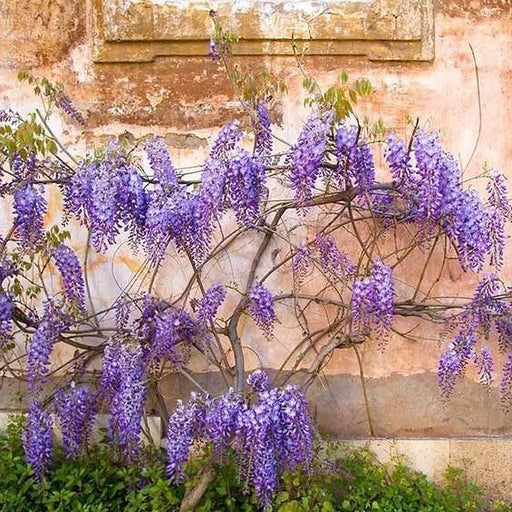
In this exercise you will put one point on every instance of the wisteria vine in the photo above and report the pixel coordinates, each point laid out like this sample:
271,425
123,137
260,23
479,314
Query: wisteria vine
251,205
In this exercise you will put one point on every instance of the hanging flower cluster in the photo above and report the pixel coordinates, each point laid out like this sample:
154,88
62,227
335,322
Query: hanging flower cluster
271,435
483,313
29,209
75,410
209,304
51,326
307,155
123,384
71,272
38,439
429,180
108,195
261,308
6,310
372,299
355,166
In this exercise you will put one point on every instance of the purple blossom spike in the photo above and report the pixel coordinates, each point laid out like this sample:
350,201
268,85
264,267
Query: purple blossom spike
398,159
272,435
302,263
497,191
6,310
263,136
372,299
504,330
63,102
47,333
173,328
160,161
333,261
496,233
29,209
209,304
212,50
448,371
226,140
221,421
180,217
107,194
355,160
485,366
187,423
467,226
258,381
38,440
506,384
245,186
71,272
124,384
76,409
261,308
306,156
122,309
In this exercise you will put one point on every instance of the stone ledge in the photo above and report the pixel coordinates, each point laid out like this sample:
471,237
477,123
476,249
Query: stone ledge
142,30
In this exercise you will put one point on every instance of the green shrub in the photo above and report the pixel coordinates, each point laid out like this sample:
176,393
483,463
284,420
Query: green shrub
354,482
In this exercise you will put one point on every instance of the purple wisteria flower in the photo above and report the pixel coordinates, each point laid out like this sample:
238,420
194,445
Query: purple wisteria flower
38,440
71,272
428,179
485,312
76,410
63,103
302,263
160,162
6,311
261,308
107,194
181,217
50,328
399,161
485,366
372,299
449,369
167,333
228,137
497,193
29,209
306,156
258,381
245,186
272,435
186,424
355,164
222,419
122,307
263,142
213,53
209,304
124,385
506,384
334,262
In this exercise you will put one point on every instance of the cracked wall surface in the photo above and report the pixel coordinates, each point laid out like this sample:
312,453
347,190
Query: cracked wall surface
186,98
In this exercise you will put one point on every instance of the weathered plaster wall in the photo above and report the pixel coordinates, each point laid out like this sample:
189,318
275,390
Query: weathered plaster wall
187,98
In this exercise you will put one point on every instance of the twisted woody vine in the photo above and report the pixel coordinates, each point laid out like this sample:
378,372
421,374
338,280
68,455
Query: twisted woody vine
369,223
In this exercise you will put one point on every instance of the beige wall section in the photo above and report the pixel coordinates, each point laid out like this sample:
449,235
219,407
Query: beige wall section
186,99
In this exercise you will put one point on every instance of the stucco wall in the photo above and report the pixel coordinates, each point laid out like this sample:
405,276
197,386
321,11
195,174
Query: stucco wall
187,98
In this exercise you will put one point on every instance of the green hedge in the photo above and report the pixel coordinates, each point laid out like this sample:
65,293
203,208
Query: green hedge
353,482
